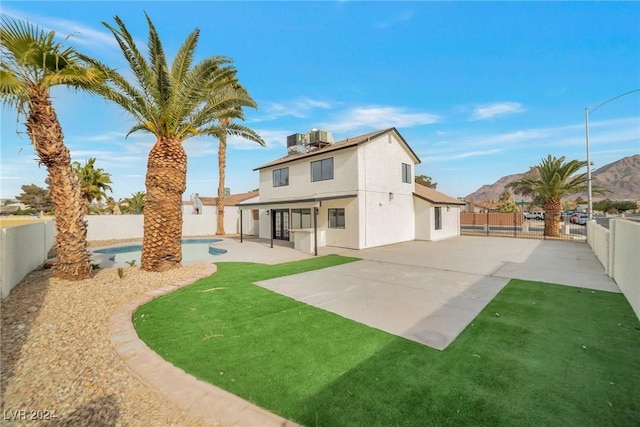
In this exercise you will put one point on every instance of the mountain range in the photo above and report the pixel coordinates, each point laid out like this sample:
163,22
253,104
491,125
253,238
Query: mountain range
621,179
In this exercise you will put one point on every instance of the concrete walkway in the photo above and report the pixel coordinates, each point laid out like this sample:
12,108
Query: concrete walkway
425,291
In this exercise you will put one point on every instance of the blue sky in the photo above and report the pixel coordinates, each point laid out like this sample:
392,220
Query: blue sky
479,90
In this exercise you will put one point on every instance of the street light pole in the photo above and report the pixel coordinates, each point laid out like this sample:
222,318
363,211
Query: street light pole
589,189
586,121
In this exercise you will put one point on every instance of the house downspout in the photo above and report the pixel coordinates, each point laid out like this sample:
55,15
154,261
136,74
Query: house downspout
240,225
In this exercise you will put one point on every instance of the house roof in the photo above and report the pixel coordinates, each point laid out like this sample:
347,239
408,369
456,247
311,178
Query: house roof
340,145
231,200
430,195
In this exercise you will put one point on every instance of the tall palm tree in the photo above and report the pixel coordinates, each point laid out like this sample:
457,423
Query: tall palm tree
226,126
172,103
32,63
94,183
552,180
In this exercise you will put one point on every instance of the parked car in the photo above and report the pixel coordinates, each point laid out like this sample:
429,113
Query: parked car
582,219
574,218
534,215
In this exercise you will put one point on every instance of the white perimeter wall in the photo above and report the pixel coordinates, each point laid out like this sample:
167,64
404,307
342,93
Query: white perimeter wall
618,249
23,249
108,227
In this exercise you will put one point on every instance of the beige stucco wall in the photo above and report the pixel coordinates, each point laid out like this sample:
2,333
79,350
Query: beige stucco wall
300,185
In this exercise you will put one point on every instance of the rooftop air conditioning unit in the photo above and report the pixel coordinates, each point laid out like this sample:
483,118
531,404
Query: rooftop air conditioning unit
295,139
318,136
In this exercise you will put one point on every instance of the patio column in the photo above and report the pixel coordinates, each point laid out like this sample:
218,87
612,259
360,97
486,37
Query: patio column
240,225
315,231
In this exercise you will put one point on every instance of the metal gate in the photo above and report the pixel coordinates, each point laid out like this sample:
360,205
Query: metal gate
516,225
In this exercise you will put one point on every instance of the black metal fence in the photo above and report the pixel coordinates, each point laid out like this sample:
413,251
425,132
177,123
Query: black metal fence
516,225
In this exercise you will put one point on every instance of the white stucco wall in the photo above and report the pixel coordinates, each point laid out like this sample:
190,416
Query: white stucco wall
598,239
626,253
425,221
23,249
108,227
450,223
386,213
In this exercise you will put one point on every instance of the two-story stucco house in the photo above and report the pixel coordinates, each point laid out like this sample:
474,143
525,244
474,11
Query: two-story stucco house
357,193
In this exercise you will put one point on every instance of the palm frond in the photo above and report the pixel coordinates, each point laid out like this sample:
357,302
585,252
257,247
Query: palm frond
553,178
218,130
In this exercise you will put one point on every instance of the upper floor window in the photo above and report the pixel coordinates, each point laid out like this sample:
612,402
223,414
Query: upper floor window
281,177
322,170
406,173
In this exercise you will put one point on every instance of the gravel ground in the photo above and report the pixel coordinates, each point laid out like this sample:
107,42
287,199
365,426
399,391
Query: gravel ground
57,358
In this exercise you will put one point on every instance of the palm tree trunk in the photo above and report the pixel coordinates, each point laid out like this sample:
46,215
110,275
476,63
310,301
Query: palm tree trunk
552,213
166,181
44,129
222,164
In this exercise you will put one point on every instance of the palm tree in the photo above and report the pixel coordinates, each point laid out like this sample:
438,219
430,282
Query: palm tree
552,180
133,204
226,126
93,182
32,63
172,103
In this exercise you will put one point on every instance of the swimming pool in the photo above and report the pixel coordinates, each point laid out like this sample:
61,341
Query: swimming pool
192,250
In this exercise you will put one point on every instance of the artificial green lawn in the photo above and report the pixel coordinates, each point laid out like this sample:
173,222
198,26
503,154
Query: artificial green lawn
555,355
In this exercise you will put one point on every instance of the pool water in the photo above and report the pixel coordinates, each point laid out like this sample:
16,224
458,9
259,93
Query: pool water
192,250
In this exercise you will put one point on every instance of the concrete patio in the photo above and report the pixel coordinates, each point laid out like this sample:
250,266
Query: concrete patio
430,291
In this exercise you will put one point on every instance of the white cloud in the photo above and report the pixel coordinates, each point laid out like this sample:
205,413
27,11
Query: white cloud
78,33
488,111
378,117
616,134
458,156
299,108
